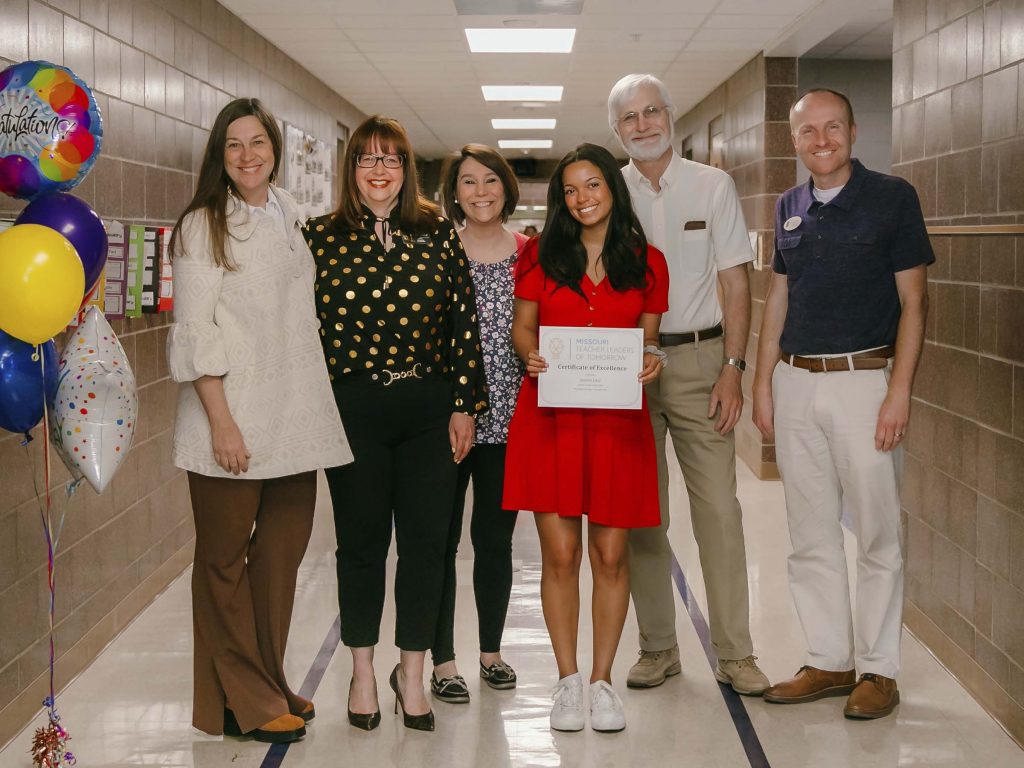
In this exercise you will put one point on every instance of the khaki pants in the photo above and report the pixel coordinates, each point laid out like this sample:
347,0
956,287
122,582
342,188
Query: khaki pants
678,401
250,538
825,446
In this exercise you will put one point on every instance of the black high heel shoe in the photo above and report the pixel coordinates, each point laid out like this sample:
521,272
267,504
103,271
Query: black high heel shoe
366,722
423,722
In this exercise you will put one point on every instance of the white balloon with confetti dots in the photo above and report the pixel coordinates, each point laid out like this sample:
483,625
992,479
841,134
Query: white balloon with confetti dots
92,422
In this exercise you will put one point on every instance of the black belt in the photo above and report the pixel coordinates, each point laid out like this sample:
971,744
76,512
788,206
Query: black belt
675,339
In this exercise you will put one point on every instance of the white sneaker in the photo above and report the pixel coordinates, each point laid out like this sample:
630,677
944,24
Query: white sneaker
606,713
567,711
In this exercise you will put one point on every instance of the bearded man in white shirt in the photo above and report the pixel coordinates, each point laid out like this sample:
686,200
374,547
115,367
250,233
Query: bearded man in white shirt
691,212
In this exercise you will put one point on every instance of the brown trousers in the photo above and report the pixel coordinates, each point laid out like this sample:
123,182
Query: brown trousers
250,538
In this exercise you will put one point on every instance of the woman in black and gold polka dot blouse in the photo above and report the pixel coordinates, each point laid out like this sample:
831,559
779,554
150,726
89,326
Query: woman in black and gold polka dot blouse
399,331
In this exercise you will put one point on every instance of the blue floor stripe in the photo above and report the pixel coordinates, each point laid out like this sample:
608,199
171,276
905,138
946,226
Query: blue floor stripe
733,701
276,753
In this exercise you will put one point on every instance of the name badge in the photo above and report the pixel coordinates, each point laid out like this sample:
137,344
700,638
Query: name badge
792,223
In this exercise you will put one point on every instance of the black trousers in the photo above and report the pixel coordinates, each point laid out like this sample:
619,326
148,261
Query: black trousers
403,471
491,533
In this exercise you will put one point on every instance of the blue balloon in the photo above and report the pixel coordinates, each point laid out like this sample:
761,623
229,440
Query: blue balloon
21,382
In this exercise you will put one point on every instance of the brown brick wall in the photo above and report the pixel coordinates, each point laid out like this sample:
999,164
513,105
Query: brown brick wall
754,107
958,136
160,72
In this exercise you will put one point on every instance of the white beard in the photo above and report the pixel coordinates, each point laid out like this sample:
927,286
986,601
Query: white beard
648,152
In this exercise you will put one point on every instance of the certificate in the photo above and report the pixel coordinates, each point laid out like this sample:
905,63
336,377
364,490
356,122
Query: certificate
591,367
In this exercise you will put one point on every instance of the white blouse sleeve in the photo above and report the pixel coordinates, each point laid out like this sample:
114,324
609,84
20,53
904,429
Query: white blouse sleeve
195,344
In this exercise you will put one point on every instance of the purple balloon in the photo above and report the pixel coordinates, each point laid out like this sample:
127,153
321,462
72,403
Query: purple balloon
78,223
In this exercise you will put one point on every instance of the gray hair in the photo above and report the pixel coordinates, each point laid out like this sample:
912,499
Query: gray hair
623,90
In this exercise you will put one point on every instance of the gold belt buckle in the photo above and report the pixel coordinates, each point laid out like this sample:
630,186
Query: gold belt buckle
412,373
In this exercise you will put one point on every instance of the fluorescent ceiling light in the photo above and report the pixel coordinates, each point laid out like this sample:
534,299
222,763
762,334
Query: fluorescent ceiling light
520,40
540,207
522,92
523,123
525,143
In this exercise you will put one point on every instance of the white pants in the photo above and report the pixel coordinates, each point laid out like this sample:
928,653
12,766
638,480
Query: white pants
825,447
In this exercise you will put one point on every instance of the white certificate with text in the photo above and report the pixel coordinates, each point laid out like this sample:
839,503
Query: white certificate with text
591,367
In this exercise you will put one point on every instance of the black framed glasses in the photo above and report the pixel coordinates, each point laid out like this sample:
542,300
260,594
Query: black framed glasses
367,160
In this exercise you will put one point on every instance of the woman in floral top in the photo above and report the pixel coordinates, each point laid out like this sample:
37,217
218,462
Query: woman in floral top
480,191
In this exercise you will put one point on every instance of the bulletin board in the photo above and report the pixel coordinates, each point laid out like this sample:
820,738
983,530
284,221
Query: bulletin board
308,171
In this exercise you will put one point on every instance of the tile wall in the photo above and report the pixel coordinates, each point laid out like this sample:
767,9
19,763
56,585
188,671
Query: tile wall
160,72
758,154
958,136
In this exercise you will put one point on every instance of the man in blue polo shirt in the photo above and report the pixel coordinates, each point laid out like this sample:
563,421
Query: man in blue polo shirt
840,340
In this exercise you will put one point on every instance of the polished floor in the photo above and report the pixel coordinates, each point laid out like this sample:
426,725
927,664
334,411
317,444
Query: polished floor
132,706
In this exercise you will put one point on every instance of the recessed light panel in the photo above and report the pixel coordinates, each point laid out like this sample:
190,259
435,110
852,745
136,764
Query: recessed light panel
522,92
525,143
520,40
518,7
523,123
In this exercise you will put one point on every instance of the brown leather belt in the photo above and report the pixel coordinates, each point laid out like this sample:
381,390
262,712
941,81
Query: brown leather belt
870,360
675,339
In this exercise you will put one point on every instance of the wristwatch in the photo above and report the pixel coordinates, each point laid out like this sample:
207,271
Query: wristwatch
739,362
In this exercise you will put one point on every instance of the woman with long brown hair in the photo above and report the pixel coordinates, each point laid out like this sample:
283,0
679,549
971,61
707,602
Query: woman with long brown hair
255,420
399,331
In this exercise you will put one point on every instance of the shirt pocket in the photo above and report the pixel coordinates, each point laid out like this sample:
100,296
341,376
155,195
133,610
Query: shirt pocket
694,250
787,250
855,241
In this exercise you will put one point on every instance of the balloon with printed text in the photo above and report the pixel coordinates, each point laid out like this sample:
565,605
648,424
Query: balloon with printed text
50,129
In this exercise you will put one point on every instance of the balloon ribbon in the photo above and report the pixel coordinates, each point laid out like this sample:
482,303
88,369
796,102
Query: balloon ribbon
49,745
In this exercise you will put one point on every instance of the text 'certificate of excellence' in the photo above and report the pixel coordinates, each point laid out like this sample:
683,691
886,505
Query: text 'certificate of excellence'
591,367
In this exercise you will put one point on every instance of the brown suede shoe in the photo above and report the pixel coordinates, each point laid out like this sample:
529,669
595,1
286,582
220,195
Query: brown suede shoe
280,730
308,712
811,684
875,696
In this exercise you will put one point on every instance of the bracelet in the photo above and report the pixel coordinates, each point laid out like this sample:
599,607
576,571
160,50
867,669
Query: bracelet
658,353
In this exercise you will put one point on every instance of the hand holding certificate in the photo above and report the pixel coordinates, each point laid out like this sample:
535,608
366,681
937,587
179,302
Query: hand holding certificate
591,367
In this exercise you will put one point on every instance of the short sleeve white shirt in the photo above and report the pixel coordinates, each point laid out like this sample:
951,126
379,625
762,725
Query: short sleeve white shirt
696,220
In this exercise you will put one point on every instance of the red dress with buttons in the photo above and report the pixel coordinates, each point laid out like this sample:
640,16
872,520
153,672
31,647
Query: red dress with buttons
584,461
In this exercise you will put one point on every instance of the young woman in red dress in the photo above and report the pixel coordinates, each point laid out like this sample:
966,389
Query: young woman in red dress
592,266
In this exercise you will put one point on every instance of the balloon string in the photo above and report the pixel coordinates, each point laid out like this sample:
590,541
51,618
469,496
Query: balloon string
48,530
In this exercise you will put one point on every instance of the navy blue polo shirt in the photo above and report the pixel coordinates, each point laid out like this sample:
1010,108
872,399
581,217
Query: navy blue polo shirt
840,262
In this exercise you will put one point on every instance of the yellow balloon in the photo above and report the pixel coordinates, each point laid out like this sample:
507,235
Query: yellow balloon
41,282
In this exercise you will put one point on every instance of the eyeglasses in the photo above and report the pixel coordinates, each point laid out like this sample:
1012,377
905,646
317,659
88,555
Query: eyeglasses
630,119
370,161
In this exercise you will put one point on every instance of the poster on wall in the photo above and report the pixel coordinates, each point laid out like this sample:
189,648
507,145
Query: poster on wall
308,171
116,271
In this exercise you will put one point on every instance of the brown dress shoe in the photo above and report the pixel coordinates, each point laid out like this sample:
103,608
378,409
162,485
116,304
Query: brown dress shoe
811,684
875,696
